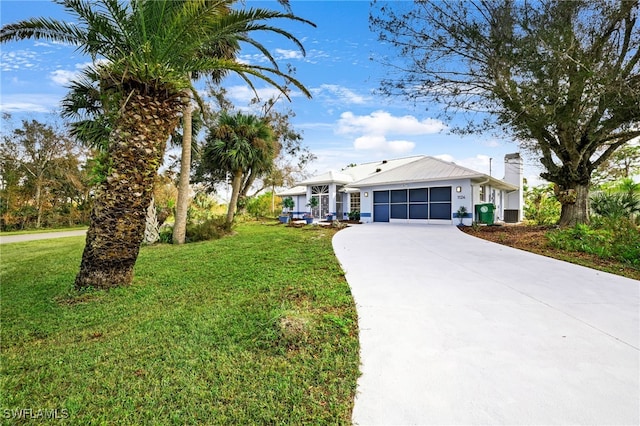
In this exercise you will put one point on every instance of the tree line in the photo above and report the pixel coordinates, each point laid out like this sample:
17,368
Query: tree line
45,177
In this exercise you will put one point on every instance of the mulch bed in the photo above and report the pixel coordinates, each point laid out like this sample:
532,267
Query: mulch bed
533,239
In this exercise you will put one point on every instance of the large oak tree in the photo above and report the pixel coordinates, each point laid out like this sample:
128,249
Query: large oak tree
560,76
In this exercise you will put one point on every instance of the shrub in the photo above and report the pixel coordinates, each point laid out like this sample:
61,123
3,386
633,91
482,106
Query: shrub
541,206
165,234
617,238
354,215
260,206
210,229
615,205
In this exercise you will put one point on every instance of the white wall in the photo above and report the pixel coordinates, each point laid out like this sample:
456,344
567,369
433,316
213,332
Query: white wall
300,205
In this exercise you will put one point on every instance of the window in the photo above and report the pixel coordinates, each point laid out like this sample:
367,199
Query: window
483,192
322,193
339,202
354,202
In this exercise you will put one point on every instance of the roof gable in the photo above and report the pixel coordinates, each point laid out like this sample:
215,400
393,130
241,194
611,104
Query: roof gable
358,172
421,169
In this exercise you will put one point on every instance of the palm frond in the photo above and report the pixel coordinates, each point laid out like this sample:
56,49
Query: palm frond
44,29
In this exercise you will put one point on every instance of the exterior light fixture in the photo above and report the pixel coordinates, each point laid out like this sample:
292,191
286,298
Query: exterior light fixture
366,194
458,189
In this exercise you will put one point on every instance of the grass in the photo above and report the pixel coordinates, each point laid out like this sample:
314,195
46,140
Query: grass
257,328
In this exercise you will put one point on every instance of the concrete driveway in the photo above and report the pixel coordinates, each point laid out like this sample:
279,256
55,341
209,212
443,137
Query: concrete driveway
40,236
458,330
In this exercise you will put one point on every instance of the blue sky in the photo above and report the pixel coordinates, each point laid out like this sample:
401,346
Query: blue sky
345,121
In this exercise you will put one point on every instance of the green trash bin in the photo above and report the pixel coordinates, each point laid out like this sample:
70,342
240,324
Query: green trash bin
485,213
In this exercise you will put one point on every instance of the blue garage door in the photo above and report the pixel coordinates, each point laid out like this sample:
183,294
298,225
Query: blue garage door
420,203
381,206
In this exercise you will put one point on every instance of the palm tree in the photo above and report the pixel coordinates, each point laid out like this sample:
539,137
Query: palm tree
225,48
148,49
237,145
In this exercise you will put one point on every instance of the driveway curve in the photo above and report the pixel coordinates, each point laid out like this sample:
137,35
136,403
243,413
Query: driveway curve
458,330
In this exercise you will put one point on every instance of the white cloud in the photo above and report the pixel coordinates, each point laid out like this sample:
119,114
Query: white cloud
29,103
333,93
17,59
242,94
381,123
62,77
372,131
381,144
288,54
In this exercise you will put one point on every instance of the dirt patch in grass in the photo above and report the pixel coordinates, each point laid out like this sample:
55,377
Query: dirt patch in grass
533,239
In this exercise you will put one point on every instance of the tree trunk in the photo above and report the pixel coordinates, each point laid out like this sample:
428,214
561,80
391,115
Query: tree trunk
39,203
136,150
575,205
235,192
182,205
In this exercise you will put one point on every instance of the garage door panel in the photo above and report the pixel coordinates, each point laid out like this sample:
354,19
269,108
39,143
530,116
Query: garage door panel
440,211
398,211
381,213
418,211
380,197
441,194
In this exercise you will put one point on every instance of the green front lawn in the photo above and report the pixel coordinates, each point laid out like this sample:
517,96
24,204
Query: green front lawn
256,328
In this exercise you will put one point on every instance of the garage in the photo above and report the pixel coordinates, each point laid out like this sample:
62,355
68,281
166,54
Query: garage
416,203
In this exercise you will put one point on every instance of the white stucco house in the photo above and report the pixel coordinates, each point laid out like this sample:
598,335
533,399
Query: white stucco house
419,189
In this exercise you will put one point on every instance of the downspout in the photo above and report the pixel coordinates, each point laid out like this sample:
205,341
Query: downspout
473,215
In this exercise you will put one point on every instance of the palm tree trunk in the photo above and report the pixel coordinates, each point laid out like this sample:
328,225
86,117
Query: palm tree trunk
182,205
235,192
136,150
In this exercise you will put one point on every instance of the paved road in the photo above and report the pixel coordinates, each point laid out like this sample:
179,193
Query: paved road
42,236
458,330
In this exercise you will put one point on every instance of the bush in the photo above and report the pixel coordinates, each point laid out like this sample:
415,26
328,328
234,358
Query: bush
210,229
541,205
260,206
617,238
615,205
354,215
165,234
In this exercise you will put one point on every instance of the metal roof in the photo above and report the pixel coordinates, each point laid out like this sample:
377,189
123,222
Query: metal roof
356,173
296,190
424,169
419,168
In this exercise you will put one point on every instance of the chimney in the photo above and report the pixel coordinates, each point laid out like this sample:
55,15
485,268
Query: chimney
513,174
